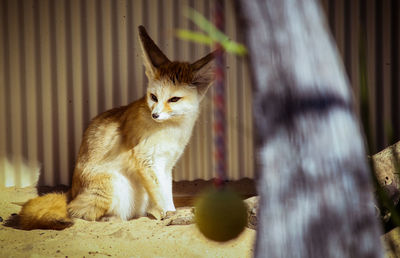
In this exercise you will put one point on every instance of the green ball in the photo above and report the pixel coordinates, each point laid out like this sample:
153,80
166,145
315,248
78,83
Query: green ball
220,214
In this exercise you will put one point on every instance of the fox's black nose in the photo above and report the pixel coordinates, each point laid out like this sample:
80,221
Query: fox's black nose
155,116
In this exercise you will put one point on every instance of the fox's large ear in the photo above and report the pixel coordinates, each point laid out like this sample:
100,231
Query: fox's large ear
204,72
152,55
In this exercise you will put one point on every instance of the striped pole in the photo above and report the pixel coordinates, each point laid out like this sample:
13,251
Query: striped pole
219,101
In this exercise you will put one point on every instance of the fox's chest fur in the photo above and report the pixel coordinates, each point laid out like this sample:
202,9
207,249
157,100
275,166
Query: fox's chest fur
164,147
164,142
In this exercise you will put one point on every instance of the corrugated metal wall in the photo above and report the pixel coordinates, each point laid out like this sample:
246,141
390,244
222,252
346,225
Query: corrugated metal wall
63,62
373,25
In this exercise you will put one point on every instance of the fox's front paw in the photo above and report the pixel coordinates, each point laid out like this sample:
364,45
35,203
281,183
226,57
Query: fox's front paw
157,212
110,219
170,214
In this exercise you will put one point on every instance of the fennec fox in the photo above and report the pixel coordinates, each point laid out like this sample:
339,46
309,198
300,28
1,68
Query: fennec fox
125,161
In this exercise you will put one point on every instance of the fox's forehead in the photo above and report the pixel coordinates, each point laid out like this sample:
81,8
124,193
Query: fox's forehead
166,88
175,72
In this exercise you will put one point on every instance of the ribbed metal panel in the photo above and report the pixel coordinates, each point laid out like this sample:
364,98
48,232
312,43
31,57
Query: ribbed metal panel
374,24
63,62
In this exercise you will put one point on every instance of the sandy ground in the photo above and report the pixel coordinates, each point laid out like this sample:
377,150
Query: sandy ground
142,237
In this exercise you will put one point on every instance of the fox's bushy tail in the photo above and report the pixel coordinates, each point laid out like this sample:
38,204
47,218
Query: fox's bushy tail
45,212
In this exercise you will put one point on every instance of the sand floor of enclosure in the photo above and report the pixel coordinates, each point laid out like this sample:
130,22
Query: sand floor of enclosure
142,237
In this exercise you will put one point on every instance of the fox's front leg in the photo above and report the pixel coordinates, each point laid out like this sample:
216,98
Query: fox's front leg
163,170
165,178
151,184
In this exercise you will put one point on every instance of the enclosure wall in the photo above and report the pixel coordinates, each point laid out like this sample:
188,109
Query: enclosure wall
63,62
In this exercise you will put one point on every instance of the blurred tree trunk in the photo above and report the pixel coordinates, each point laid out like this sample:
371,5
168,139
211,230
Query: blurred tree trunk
314,183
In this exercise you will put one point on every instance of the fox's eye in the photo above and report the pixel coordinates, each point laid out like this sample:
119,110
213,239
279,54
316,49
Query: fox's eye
174,99
153,97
